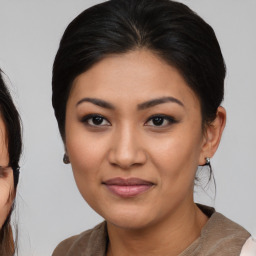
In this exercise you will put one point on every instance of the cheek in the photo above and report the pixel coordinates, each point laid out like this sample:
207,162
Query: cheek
177,158
87,154
6,192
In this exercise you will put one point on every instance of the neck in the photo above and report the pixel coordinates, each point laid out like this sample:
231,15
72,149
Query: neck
169,237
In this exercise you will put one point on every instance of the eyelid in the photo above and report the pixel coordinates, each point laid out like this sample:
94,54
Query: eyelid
85,119
170,119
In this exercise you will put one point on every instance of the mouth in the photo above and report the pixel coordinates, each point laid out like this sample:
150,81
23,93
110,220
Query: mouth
128,187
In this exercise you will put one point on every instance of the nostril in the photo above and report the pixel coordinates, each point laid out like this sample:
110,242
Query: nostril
126,160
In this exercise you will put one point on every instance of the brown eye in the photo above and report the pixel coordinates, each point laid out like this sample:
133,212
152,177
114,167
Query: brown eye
3,172
95,120
160,121
157,121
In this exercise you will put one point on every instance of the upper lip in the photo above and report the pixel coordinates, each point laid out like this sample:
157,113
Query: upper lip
127,182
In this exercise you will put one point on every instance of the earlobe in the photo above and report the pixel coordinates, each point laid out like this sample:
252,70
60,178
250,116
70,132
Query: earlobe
66,156
213,135
66,159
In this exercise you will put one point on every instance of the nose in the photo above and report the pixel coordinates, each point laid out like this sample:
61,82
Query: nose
126,149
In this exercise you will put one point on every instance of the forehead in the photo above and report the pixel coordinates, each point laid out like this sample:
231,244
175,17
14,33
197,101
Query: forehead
136,75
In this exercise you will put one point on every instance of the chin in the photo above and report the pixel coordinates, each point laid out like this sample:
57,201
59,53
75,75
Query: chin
128,223
129,218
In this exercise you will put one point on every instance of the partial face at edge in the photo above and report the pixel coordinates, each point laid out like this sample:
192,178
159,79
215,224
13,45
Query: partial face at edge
134,116
6,176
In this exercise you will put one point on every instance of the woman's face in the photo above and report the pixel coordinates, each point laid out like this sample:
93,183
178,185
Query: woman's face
6,176
134,138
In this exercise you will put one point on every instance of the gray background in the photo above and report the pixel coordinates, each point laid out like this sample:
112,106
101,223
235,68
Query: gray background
49,207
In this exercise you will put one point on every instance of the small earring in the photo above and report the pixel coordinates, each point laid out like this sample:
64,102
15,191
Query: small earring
66,159
207,161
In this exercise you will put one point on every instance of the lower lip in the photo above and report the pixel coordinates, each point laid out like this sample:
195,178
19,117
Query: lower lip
128,191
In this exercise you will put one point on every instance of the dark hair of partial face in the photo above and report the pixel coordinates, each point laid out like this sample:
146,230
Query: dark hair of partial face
169,29
12,123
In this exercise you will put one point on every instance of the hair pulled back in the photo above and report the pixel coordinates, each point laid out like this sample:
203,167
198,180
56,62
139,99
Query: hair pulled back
168,28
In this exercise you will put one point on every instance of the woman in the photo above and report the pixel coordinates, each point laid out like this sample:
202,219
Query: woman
10,151
137,88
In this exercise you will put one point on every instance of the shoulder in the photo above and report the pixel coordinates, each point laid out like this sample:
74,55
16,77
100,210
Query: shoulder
223,236
220,224
78,244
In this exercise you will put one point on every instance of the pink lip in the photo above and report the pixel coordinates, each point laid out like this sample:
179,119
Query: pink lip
127,187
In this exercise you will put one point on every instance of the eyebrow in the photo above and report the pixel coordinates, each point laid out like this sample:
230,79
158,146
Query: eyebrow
144,105
98,102
154,102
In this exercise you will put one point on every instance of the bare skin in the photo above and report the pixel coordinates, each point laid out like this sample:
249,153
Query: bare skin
134,138
158,240
6,177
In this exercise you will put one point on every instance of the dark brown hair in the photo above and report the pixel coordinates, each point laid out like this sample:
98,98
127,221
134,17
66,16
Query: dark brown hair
12,123
168,28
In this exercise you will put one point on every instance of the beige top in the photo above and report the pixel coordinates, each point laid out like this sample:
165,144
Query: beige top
220,236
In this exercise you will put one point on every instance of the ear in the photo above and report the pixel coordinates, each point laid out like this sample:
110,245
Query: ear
212,136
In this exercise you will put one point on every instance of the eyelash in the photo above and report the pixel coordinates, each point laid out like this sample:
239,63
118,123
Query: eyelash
91,116
169,119
164,118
